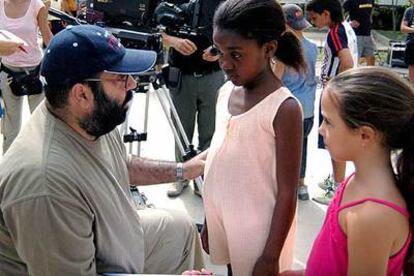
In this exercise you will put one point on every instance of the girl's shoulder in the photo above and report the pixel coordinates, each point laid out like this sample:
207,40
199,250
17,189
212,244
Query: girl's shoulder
37,4
373,221
225,90
374,214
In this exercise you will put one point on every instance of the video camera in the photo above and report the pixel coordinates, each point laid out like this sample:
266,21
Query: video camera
145,15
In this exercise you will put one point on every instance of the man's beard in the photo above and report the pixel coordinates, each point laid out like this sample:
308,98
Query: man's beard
107,113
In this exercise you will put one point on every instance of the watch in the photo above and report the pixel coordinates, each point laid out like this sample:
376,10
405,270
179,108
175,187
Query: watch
179,172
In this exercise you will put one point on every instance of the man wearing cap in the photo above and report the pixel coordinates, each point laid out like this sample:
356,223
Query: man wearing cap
65,203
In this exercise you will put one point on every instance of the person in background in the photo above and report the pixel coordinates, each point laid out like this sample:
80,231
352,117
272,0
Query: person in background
194,84
340,54
301,84
65,203
252,168
407,26
24,19
70,7
367,229
360,16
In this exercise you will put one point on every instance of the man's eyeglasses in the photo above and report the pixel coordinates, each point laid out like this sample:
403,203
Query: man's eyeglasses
120,78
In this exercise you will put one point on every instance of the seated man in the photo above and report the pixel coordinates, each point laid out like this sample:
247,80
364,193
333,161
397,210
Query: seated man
66,207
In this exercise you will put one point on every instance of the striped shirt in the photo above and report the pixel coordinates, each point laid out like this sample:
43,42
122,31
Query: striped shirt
339,37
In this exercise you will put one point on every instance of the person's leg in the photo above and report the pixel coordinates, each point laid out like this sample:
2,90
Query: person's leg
184,100
369,50
12,120
206,107
338,170
302,189
229,270
409,59
370,60
172,243
360,44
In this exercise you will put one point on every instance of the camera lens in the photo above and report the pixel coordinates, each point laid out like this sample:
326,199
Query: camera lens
214,51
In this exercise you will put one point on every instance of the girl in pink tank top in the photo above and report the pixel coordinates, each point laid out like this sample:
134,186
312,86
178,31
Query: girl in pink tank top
368,113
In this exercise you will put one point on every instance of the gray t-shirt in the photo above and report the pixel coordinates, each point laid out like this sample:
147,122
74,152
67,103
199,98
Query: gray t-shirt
65,205
409,18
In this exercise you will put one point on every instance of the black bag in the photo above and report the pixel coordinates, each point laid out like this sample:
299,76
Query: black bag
172,76
24,83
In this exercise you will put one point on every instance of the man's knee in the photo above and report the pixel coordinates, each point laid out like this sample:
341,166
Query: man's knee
179,222
167,222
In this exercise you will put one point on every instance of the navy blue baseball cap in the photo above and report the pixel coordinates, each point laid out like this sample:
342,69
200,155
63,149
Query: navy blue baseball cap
80,52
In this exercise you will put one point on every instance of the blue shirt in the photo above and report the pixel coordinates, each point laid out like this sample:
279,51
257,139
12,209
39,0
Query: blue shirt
303,86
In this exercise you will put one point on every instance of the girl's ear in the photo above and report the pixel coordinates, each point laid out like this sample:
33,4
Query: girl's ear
270,49
369,135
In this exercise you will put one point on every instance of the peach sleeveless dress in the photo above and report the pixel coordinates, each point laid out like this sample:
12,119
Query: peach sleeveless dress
240,184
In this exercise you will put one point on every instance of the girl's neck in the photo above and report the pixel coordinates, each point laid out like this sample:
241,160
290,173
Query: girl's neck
374,167
16,8
264,83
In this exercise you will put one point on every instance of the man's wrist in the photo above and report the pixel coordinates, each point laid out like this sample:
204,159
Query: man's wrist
179,171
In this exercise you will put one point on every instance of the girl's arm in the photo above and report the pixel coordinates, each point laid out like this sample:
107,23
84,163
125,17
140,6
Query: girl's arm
288,128
370,231
44,26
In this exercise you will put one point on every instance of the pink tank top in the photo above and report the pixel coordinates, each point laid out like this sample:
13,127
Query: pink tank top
329,255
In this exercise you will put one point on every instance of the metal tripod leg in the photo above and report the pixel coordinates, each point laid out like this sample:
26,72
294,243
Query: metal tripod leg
124,129
167,104
165,101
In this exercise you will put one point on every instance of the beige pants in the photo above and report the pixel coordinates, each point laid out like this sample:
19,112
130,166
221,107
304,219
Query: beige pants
13,105
172,243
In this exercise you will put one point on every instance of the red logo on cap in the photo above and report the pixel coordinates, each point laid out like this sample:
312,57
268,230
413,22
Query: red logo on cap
298,14
113,42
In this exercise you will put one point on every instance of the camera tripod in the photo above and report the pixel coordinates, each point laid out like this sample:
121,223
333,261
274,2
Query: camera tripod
153,81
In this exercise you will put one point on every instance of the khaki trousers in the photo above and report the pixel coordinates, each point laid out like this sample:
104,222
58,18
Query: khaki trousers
172,243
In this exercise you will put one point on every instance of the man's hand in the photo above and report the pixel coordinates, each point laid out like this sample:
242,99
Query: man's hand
266,267
195,166
184,46
207,56
354,24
